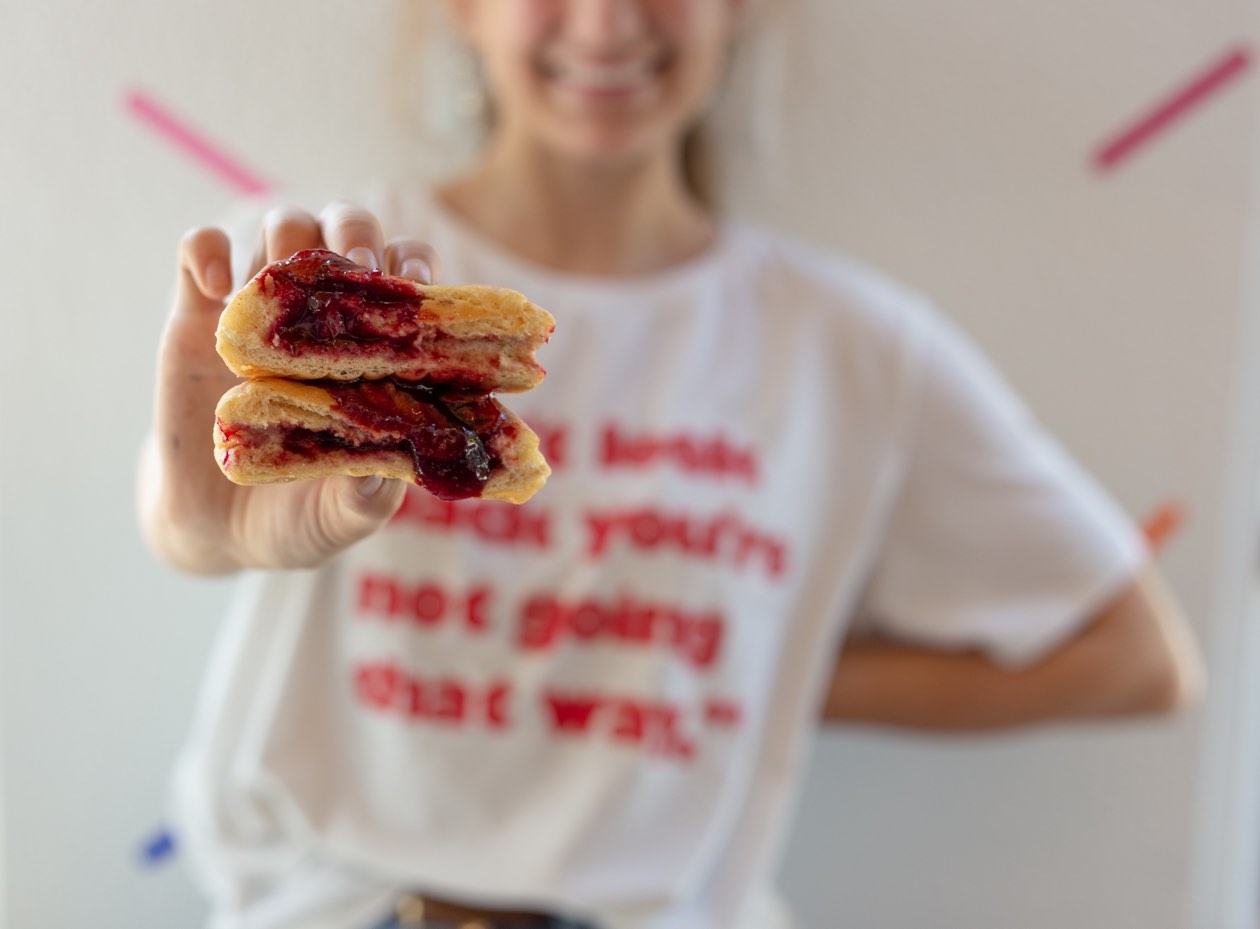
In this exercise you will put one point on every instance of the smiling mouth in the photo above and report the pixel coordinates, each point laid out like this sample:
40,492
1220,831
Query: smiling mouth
606,78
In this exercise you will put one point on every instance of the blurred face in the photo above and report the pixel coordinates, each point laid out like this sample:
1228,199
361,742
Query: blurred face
599,79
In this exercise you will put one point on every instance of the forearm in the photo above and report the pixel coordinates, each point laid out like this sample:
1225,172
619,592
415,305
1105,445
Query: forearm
1135,658
903,686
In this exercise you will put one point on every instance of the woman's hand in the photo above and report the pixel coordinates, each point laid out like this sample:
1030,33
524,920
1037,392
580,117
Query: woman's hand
193,516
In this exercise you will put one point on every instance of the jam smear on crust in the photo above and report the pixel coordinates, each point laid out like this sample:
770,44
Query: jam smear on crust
329,301
450,437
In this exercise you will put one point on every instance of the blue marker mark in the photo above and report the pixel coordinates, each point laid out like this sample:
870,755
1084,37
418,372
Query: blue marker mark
158,848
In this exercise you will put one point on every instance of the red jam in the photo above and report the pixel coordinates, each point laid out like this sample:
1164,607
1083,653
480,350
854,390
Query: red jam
450,437
330,301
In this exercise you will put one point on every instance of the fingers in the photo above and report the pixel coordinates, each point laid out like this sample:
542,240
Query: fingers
348,230
203,281
286,230
303,524
377,498
350,509
204,275
186,353
190,379
354,232
258,259
413,259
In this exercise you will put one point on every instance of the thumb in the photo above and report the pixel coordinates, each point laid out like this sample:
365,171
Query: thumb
351,509
203,280
204,277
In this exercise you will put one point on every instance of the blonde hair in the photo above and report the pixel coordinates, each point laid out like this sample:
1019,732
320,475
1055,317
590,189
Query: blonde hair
434,80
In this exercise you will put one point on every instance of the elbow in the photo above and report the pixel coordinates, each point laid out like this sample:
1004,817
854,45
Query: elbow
1178,676
1148,662
1167,676
1174,684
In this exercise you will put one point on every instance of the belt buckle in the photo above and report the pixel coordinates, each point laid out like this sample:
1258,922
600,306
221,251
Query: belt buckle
409,912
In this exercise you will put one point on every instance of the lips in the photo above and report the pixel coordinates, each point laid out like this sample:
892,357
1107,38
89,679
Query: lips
618,77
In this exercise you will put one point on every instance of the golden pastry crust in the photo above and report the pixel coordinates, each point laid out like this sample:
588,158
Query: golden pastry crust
266,409
489,334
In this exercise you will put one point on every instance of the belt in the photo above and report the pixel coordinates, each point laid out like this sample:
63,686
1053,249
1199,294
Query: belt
416,912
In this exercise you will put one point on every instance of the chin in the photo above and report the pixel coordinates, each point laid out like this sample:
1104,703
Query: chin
615,142
606,149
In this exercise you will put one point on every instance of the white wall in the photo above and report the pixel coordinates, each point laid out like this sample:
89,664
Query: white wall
948,143
1117,304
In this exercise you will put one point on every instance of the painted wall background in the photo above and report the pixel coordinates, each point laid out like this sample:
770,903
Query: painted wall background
951,144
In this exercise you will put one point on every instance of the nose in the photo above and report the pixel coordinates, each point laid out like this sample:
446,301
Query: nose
605,22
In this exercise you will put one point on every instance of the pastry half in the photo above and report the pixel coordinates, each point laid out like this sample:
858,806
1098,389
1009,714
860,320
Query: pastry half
454,445
319,316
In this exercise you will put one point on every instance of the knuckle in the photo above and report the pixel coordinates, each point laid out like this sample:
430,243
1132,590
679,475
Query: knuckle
286,216
199,244
410,248
399,251
357,230
350,221
339,207
194,238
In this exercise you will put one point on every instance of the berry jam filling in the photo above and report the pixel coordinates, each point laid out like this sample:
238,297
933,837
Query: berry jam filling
449,437
329,301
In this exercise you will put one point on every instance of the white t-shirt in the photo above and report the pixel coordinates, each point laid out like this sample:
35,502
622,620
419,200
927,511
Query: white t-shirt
600,703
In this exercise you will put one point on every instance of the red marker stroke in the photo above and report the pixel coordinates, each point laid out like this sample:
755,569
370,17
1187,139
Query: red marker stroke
194,144
1167,112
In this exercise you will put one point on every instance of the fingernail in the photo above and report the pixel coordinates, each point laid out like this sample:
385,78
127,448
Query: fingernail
218,278
370,486
363,256
417,269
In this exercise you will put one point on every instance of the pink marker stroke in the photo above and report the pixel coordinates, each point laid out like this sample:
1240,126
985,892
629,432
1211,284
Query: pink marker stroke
1203,86
194,144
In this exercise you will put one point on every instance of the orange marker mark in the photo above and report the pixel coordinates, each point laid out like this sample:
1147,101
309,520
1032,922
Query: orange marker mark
1163,524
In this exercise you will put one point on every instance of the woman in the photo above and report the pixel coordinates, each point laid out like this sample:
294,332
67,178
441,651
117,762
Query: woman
593,708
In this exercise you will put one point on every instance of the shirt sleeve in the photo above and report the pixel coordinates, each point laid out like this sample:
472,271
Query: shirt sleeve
996,539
